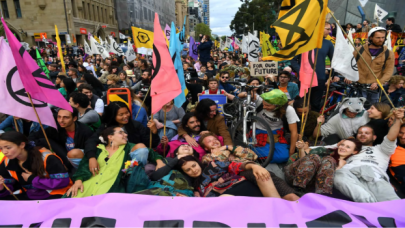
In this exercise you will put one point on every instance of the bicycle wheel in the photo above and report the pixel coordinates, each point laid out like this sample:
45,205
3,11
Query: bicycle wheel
237,138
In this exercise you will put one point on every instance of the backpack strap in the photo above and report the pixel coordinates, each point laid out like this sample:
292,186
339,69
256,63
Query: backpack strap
360,53
387,55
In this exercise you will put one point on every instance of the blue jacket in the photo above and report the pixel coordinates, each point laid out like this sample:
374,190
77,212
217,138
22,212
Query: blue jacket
205,51
9,122
293,90
142,116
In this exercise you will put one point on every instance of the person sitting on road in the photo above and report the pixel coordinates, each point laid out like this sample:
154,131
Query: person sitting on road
344,124
86,115
213,87
364,177
210,120
173,119
378,113
112,153
394,90
40,172
280,117
312,170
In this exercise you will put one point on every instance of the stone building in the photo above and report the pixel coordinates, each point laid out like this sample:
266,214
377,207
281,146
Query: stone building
181,12
28,18
142,12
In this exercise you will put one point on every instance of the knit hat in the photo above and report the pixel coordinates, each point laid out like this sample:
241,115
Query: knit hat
275,97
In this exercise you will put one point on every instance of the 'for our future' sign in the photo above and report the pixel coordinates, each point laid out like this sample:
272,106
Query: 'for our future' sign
263,68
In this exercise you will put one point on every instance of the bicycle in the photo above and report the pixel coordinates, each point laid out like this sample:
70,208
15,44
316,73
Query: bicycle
244,131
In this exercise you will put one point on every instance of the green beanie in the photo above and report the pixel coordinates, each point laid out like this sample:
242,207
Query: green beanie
275,97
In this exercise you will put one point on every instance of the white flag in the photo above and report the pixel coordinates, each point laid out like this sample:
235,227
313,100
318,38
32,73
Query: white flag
98,48
122,36
245,44
343,60
228,42
107,46
363,2
130,52
238,42
87,48
350,37
44,40
114,47
388,41
254,46
221,44
379,13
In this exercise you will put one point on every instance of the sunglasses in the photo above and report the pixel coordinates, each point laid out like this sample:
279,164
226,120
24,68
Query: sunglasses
224,77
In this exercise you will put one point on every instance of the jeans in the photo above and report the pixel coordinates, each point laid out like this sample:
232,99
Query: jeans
141,155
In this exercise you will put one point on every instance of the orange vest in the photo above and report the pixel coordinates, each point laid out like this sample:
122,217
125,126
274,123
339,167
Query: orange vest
45,154
397,159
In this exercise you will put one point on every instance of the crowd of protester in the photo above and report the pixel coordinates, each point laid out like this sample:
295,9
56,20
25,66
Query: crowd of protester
106,146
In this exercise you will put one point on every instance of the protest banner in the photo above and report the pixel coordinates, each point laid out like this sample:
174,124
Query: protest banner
219,99
397,39
132,210
263,68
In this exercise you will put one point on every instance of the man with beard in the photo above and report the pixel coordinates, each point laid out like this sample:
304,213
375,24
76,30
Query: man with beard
141,88
379,58
363,178
192,126
397,162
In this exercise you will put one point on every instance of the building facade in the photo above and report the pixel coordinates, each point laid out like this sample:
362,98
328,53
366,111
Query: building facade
346,10
28,18
181,12
142,12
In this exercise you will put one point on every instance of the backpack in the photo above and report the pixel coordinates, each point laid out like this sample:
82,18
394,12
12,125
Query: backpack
387,55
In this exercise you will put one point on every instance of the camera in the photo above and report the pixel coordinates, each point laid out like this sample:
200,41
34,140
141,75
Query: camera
144,89
190,73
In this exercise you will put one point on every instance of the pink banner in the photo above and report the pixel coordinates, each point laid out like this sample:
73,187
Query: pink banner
131,210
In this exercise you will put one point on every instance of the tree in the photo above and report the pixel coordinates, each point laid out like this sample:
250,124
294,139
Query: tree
223,38
260,12
202,29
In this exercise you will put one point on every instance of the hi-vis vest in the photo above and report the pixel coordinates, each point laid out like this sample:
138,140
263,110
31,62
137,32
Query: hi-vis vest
219,91
45,154
2,158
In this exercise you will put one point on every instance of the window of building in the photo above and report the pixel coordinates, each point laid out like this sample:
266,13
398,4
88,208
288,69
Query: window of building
74,8
88,11
145,13
5,9
105,15
94,13
17,8
150,15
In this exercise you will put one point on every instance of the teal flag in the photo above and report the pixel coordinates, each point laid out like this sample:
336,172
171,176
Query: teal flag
41,64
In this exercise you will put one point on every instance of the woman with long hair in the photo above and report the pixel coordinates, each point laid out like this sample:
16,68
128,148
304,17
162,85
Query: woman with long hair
125,81
67,86
40,172
311,121
111,155
117,114
98,87
223,178
313,169
211,68
394,90
281,118
59,79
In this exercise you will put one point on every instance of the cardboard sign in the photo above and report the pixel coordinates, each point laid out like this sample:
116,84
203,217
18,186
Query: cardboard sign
263,68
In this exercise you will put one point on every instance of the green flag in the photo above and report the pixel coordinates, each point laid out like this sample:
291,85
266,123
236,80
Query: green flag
41,64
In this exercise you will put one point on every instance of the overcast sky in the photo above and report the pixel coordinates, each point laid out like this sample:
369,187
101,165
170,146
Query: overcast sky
221,15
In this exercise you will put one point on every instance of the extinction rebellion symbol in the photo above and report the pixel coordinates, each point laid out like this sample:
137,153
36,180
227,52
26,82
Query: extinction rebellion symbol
143,37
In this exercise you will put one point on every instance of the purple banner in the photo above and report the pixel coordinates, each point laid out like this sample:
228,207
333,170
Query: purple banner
192,49
131,210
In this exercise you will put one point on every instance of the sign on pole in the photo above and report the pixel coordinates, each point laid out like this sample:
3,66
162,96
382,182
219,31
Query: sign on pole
263,68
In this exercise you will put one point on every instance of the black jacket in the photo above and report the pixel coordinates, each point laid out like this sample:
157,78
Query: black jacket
53,75
136,134
82,133
394,28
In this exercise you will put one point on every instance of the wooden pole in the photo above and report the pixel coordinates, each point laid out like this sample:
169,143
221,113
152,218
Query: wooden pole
303,113
16,125
309,92
10,191
324,103
142,102
368,66
150,136
164,132
39,121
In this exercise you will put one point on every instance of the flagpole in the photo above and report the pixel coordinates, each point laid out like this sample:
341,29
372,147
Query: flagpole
303,113
142,102
39,121
368,66
324,103
16,125
150,135
15,197
309,92
164,132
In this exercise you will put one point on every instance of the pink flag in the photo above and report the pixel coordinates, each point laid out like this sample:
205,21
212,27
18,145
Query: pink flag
307,67
33,78
167,32
165,83
14,99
